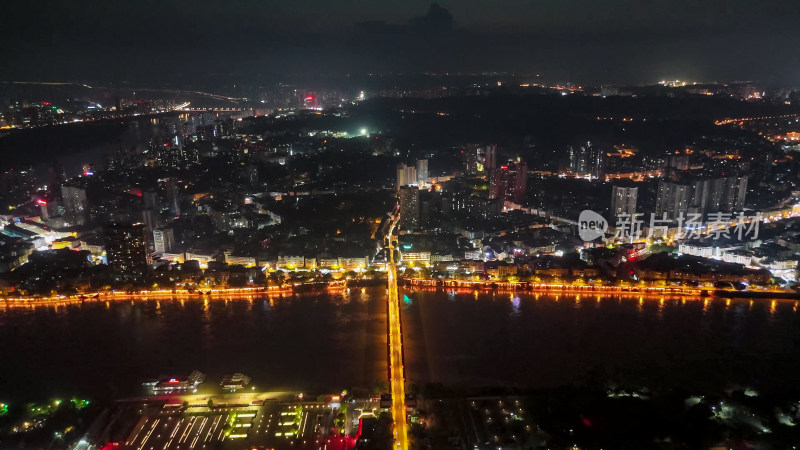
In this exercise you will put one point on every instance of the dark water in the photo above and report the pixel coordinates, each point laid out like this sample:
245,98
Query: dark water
100,350
72,145
338,340
546,341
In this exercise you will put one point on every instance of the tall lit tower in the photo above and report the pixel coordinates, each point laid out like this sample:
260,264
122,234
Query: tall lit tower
126,248
409,207
76,207
422,170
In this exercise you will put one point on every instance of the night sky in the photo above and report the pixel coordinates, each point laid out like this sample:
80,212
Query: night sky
640,41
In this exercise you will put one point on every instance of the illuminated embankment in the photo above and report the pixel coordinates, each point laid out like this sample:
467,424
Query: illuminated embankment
572,288
555,287
161,293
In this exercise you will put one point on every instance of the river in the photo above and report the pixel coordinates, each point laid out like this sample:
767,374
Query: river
338,340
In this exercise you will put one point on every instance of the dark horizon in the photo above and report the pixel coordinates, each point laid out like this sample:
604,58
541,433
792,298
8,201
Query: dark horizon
251,41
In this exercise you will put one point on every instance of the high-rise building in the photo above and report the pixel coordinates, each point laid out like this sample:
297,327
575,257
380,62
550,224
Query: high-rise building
479,158
76,208
586,160
173,198
509,182
490,157
251,172
150,198
409,207
623,200
726,194
672,199
406,175
55,176
520,171
126,249
163,239
701,196
422,171
17,185
469,157
151,219
223,127
401,175
497,184
680,162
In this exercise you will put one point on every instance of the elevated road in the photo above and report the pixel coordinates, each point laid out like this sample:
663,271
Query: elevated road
396,369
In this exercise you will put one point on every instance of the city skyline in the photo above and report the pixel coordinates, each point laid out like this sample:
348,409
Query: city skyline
391,225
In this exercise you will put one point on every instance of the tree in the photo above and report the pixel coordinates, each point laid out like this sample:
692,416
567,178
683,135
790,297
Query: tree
372,273
339,421
277,278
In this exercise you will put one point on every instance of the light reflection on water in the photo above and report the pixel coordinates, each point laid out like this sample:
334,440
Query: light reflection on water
108,348
547,340
338,340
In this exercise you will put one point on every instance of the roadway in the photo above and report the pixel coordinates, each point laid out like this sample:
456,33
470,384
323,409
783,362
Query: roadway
396,369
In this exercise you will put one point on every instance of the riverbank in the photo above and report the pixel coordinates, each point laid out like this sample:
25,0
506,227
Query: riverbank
171,293
415,284
556,288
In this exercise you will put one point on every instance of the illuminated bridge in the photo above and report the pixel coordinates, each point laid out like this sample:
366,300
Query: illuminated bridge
396,369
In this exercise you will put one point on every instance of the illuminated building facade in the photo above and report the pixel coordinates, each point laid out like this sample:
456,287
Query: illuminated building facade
126,248
422,170
163,240
623,200
409,207
407,175
509,182
701,196
76,207
586,160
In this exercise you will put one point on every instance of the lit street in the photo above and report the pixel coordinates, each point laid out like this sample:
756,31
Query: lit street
396,370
